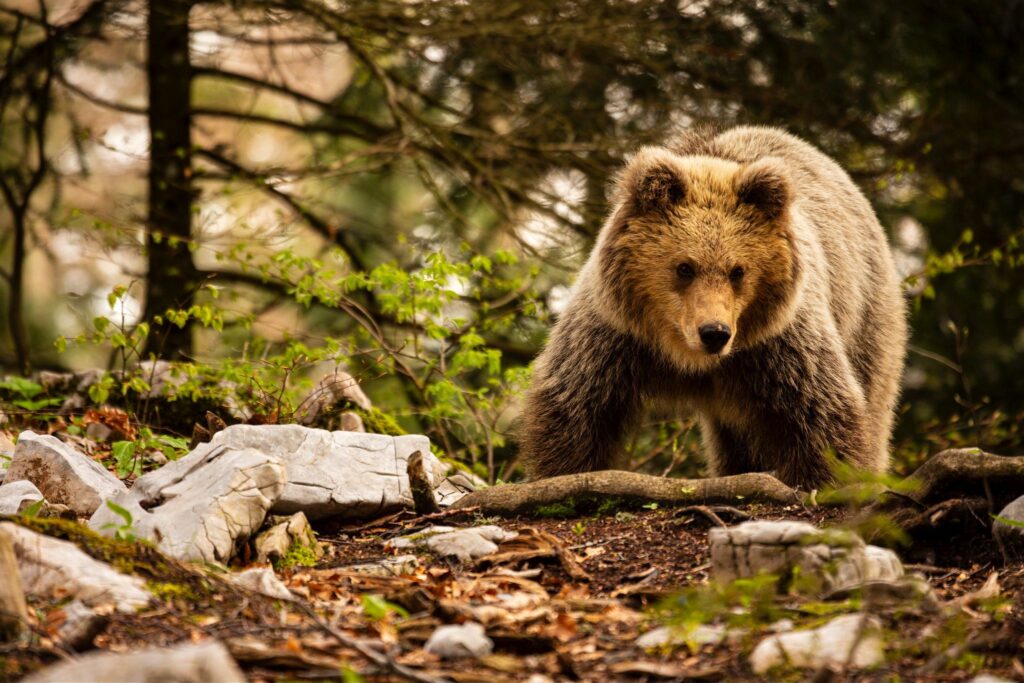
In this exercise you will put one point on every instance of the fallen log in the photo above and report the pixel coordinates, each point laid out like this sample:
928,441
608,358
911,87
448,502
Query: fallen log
517,499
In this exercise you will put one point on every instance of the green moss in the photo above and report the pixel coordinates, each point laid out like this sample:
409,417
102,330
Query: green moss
377,421
298,555
610,506
166,590
566,508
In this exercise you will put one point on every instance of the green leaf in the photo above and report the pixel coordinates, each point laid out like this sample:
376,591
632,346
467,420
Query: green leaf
120,512
377,608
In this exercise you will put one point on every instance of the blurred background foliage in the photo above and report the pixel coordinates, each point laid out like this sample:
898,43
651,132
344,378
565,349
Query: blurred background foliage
407,188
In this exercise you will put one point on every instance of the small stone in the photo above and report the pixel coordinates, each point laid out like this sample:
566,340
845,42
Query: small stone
190,663
97,431
200,508
1010,537
81,625
852,640
465,544
18,495
399,565
702,634
62,474
50,567
274,543
262,580
824,560
459,642
452,488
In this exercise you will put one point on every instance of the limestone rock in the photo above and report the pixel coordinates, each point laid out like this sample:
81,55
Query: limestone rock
331,474
1011,537
18,495
852,640
49,566
454,487
262,580
190,663
392,566
825,560
464,544
62,474
702,634
457,642
274,543
202,506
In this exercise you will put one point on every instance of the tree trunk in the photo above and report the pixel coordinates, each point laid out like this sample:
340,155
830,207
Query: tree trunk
172,276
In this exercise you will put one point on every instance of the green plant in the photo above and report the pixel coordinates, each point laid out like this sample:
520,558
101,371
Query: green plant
743,603
25,394
298,555
128,455
377,608
122,531
579,528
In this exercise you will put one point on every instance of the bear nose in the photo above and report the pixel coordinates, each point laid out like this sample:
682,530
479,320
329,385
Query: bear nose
714,336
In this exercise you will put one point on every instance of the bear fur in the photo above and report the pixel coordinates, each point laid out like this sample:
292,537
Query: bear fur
751,233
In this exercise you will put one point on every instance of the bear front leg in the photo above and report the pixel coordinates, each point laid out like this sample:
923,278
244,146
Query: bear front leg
584,393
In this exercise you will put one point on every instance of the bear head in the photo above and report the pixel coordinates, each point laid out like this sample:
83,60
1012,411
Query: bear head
698,257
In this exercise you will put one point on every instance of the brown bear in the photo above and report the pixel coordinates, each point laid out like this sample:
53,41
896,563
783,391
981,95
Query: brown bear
741,275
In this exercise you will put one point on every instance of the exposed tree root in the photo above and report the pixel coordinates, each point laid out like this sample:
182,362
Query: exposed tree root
962,472
515,499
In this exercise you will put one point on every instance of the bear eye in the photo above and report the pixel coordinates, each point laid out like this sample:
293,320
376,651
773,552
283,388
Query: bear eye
736,275
685,272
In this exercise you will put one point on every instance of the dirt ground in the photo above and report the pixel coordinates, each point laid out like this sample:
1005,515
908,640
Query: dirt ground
566,599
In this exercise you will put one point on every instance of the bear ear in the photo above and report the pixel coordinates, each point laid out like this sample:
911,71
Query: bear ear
650,184
764,185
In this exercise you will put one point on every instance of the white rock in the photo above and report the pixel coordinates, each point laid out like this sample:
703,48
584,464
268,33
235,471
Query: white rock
826,559
703,634
870,563
1010,537
17,495
457,642
191,663
202,506
49,566
465,544
334,473
392,566
62,474
989,678
852,640
262,580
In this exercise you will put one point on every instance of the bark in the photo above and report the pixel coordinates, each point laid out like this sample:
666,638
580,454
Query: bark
172,277
516,499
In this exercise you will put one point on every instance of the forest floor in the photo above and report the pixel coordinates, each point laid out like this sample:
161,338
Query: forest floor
565,600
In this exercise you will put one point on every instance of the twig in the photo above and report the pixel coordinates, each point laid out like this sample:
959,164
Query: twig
711,512
378,658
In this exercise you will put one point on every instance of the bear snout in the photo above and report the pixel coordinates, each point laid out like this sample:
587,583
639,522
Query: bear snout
714,336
